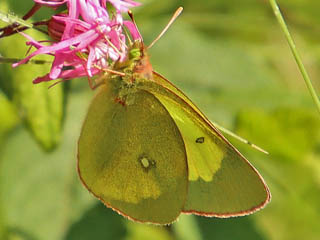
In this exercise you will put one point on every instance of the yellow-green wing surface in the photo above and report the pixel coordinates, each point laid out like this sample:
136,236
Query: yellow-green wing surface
132,157
222,182
158,78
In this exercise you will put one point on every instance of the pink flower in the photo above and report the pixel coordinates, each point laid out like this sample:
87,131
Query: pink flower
122,6
88,38
52,3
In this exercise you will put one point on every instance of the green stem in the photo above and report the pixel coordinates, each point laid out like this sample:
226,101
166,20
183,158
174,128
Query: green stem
15,60
295,53
11,19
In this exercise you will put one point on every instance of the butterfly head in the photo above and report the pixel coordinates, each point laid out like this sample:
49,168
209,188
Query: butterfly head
142,66
137,65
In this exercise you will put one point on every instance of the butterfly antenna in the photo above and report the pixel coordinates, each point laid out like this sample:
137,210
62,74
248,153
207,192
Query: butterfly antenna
173,18
134,22
222,129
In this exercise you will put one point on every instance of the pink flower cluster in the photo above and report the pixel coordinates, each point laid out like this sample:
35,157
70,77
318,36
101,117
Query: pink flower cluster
87,37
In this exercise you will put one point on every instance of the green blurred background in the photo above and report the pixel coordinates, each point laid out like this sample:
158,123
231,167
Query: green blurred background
231,58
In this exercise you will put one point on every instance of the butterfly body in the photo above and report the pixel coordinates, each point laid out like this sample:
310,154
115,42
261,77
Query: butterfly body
148,152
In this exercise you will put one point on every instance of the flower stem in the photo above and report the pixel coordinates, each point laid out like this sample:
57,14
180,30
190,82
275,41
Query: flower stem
15,60
10,19
295,52
16,22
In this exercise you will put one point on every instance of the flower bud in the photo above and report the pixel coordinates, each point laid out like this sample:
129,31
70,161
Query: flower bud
56,27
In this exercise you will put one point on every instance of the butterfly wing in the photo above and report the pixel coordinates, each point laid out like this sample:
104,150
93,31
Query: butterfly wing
222,182
132,157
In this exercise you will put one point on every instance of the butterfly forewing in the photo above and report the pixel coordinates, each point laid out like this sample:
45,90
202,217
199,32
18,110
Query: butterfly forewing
132,157
221,181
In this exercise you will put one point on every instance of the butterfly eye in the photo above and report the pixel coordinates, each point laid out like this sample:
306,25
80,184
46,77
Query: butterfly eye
134,53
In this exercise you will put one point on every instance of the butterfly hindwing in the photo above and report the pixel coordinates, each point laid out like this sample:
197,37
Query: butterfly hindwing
132,157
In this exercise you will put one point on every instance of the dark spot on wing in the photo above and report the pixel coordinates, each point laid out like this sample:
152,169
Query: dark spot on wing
200,140
146,163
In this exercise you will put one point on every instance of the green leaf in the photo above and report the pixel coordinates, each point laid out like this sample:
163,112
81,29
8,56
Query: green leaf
40,108
8,116
240,228
40,192
98,222
187,228
138,231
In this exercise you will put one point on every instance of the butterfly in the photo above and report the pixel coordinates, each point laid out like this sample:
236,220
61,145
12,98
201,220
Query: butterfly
146,151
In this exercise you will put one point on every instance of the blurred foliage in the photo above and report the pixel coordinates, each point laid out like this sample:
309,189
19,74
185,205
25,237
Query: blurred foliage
40,109
287,126
233,61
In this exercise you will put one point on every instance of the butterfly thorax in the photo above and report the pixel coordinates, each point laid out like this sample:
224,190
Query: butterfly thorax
137,69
